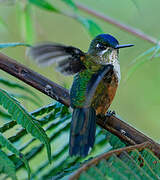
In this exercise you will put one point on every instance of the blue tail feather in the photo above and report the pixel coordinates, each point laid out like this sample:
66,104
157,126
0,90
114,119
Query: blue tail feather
82,134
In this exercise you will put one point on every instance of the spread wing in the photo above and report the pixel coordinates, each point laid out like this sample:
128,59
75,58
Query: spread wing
69,59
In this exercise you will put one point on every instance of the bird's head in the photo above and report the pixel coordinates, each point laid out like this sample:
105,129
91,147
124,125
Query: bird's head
106,49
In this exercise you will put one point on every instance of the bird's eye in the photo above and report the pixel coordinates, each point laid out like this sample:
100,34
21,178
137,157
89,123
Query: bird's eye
101,46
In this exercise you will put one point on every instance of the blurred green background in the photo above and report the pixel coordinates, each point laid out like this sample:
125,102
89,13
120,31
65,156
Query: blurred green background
137,100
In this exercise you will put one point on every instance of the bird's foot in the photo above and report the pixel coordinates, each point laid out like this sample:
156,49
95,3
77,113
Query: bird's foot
106,116
110,113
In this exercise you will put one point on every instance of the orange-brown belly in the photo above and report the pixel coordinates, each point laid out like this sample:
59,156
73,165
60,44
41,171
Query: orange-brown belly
104,94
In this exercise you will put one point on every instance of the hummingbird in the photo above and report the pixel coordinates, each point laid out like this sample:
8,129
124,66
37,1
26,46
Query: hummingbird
96,78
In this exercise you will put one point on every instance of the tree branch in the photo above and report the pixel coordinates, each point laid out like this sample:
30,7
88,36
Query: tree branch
121,25
34,79
113,124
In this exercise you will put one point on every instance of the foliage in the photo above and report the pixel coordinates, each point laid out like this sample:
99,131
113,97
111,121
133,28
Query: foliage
23,118
5,143
7,166
27,26
127,163
44,5
63,166
17,86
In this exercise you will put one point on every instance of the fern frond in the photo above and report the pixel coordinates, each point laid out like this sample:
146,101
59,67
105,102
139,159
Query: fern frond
57,107
44,110
4,115
25,97
23,118
15,85
5,143
7,126
134,162
7,166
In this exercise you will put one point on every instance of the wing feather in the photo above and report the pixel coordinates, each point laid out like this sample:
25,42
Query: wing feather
67,58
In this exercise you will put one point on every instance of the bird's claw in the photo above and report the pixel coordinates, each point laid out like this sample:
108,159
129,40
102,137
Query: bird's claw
110,113
106,116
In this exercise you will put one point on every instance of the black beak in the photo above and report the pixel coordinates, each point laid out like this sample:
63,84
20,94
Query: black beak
124,46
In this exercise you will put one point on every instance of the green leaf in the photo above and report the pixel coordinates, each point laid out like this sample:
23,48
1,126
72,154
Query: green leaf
15,85
4,115
29,25
5,143
92,28
45,109
125,163
68,164
71,4
7,126
24,97
25,119
26,24
56,109
114,141
44,5
152,160
7,166
6,45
